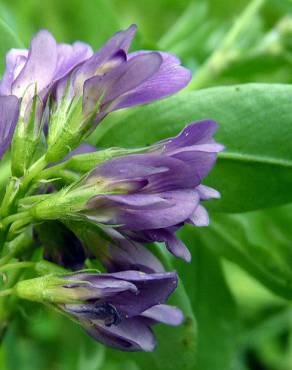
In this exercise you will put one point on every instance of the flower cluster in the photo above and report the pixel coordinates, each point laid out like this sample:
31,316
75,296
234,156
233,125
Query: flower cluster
99,209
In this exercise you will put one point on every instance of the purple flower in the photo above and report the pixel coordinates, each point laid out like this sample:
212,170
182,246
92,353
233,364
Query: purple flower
45,63
112,79
157,192
34,71
119,309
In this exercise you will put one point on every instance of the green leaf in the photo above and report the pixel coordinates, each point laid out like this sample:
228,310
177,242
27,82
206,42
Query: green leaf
259,242
212,304
254,124
8,40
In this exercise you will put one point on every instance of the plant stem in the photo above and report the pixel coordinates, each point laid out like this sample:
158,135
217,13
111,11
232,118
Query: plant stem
34,170
221,57
12,218
17,265
21,243
6,292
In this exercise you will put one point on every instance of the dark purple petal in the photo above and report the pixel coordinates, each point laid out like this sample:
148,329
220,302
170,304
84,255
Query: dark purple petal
170,78
153,289
40,66
173,244
124,254
9,110
130,292
130,335
163,313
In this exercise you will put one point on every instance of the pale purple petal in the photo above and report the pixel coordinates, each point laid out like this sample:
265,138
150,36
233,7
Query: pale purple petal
125,77
200,217
144,211
161,172
69,56
15,61
110,55
9,110
194,134
169,79
165,314
205,192
40,66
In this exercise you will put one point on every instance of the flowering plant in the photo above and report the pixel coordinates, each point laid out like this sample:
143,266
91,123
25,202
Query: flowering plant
144,186
52,97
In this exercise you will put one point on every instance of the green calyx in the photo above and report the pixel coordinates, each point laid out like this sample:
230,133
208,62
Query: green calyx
48,289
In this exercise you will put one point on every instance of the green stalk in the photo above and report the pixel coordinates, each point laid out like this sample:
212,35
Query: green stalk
221,57
5,292
17,265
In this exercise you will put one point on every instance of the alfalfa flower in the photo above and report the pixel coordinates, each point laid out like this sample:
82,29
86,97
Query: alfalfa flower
28,79
164,185
117,309
146,197
110,79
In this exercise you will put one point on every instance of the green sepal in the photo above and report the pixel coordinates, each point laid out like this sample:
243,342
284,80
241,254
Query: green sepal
87,161
27,139
51,289
68,126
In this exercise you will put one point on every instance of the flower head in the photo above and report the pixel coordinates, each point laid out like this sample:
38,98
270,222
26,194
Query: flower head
117,309
110,79
164,188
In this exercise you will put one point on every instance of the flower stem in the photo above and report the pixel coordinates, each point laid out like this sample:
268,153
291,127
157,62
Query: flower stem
221,57
6,292
16,265
15,217
34,170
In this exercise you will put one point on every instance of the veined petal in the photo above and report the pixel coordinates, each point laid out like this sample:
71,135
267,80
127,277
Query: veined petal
170,78
144,211
109,56
40,66
125,77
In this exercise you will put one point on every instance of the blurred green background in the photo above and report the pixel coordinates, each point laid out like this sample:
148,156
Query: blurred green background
254,332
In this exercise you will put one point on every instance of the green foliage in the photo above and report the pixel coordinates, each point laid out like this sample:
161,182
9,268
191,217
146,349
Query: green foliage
8,40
